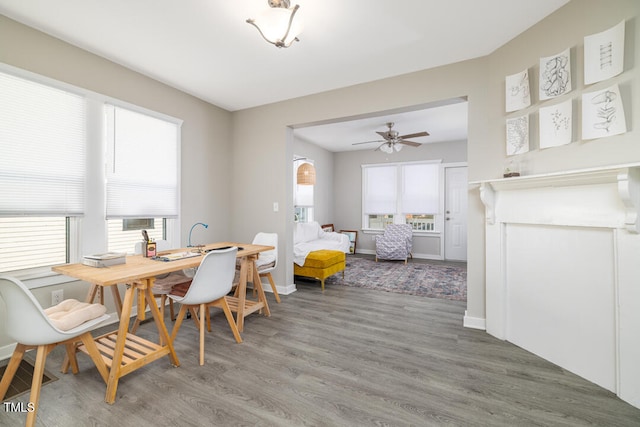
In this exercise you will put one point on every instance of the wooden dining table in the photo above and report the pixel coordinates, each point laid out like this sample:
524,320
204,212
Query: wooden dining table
122,350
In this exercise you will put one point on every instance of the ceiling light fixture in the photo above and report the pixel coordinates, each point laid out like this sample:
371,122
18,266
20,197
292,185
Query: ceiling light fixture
276,26
389,147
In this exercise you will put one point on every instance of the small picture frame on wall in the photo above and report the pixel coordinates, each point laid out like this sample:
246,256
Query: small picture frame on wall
328,228
353,237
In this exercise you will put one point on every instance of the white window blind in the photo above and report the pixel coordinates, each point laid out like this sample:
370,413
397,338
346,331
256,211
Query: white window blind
142,170
380,188
420,188
42,149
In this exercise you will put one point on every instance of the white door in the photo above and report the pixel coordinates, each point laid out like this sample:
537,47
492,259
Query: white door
455,218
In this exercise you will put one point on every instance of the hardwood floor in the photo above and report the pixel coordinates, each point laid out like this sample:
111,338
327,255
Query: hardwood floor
348,357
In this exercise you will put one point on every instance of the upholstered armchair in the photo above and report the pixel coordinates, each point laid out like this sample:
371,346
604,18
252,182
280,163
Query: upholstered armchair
396,243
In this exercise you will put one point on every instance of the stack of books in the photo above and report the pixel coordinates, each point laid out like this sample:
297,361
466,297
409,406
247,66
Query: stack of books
104,260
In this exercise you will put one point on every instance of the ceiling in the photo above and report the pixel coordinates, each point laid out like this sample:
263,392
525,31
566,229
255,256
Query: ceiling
444,121
205,47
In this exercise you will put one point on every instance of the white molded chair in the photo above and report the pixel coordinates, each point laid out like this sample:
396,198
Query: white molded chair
210,285
268,260
27,323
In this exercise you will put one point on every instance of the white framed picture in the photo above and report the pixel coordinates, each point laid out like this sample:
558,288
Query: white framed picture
517,91
556,124
603,113
604,54
555,75
517,135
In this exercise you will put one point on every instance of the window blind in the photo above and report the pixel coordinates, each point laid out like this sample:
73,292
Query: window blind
380,189
42,149
142,170
420,193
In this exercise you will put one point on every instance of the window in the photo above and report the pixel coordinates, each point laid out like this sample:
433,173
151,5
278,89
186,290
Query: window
29,242
59,145
142,176
400,193
302,195
42,171
122,239
142,168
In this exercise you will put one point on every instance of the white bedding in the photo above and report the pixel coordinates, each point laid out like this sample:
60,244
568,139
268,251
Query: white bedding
309,237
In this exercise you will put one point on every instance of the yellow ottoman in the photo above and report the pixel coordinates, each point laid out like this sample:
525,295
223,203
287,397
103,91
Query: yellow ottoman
321,264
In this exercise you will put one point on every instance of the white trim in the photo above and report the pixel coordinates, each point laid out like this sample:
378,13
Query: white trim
433,257
474,322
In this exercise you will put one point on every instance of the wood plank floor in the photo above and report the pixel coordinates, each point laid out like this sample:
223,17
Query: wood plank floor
348,357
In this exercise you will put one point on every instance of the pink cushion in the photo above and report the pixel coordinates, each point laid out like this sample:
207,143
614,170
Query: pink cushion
71,313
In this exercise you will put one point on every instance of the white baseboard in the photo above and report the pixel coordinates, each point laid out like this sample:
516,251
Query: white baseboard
474,322
418,256
289,289
286,290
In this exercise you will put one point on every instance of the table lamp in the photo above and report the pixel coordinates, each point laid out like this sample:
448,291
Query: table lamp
191,231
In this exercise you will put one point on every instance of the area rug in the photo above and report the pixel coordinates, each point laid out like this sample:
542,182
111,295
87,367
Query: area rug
435,280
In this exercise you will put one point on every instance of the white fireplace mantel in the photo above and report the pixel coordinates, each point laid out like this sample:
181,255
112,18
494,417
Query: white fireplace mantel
626,177
563,271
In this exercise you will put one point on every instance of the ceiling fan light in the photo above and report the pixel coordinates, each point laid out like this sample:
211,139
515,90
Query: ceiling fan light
386,148
306,174
397,147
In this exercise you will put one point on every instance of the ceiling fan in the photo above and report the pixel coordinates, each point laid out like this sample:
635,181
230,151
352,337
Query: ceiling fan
393,140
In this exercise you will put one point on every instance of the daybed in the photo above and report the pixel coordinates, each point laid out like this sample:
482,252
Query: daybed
318,254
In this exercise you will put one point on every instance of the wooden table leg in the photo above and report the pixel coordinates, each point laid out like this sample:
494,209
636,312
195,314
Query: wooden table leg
114,373
141,308
117,301
93,291
242,293
257,284
162,327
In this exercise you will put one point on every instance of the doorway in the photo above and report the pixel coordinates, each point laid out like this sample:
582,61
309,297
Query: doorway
455,220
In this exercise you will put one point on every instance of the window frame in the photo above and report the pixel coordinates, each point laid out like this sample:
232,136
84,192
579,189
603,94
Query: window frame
398,216
87,234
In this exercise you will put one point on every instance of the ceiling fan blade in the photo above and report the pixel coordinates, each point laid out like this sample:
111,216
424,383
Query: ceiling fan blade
415,135
366,142
411,143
